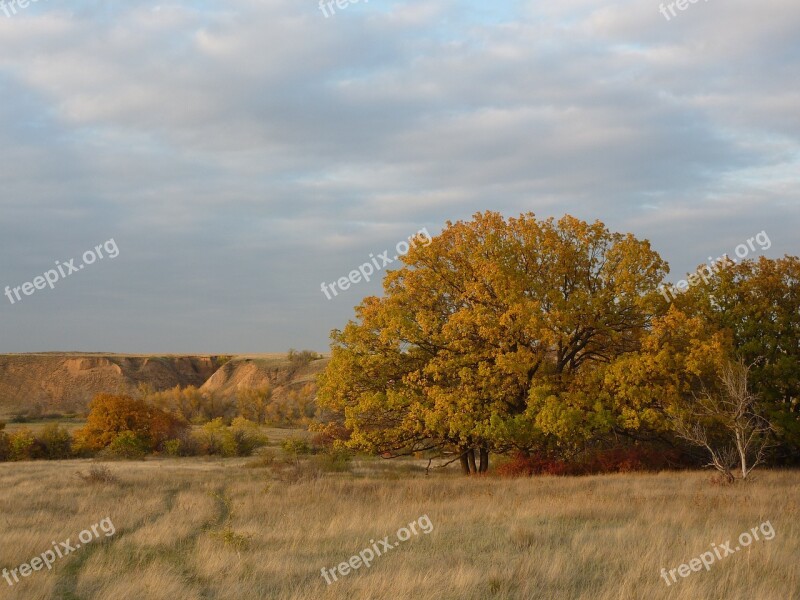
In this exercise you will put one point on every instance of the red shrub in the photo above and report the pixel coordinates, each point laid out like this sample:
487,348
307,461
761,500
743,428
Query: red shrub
615,460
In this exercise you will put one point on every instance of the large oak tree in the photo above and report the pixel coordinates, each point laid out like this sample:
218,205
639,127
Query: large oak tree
488,338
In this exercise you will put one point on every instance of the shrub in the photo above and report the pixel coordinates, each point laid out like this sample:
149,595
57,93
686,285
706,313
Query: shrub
98,475
246,437
240,439
211,437
127,446
55,442
302,358
172,447
630,459
295,446
615,460
23,445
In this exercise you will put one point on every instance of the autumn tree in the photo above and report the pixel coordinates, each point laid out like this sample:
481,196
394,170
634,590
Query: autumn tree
635,395
486,333
190,403
757,304
748,311
253,403
111,415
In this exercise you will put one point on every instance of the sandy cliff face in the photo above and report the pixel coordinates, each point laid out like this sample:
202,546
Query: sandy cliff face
67,382
249,372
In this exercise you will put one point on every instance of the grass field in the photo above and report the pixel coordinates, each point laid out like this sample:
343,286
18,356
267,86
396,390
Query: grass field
193,529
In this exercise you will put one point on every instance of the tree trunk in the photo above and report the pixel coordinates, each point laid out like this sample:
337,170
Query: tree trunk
484,466
471,460
464,461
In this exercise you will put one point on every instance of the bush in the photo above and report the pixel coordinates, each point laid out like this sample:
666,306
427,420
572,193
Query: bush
23,445
127,446
631,459
240,439
303,357
615,460
173,447
210,438
246,437
55,442
295,446
101,475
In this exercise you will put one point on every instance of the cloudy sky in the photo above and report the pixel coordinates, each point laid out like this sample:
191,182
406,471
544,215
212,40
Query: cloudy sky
241,153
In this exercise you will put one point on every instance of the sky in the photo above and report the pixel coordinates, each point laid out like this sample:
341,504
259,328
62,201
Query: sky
239,154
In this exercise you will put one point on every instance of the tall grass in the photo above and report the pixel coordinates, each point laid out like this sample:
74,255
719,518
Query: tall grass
213,529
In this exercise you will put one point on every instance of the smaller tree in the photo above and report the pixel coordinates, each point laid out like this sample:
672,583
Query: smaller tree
110,415
253,403
727,424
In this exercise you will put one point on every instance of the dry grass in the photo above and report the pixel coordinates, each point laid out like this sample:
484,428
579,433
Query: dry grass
212,529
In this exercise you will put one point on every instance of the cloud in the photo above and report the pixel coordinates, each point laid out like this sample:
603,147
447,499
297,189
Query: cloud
242,153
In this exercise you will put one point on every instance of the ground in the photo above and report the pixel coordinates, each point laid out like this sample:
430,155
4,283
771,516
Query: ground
191,529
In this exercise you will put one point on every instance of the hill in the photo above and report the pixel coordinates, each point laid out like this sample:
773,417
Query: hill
66,382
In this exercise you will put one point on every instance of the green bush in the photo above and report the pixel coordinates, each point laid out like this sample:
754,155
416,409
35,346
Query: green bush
127,446
246,437
295,446
240,439
172,447
22,445
55,442
211,437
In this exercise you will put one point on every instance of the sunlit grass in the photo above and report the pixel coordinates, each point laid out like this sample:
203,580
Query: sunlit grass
209,528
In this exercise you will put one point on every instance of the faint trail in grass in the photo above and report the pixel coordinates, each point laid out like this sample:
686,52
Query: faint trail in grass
67,584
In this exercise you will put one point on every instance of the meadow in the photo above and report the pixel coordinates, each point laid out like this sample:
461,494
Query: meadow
207,528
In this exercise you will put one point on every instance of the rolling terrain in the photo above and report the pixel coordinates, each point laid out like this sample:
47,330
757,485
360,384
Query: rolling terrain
36,384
